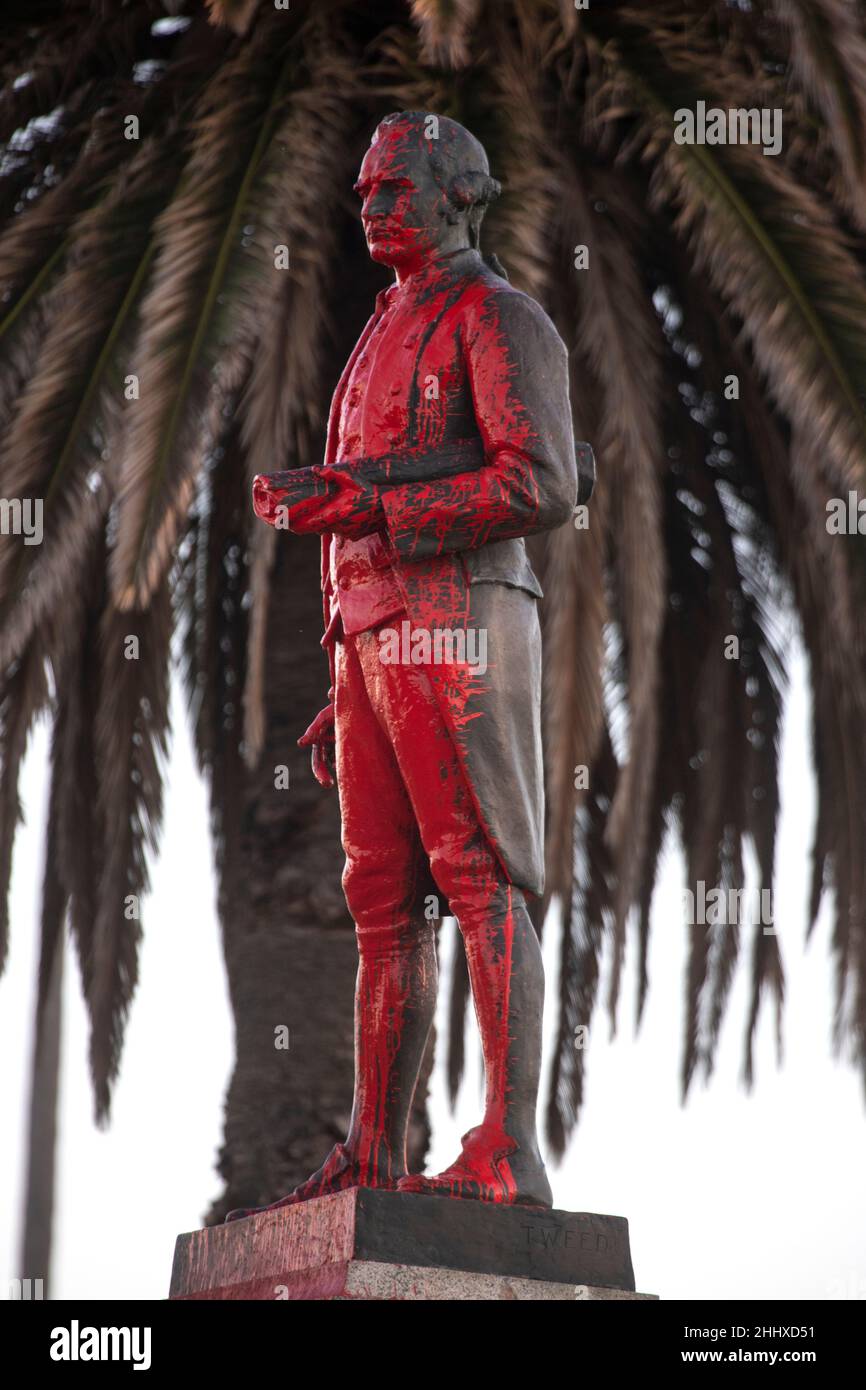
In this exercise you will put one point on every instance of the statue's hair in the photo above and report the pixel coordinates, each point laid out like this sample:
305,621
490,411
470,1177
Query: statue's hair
458,164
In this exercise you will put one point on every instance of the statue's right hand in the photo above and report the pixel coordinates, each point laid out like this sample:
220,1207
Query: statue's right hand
320,737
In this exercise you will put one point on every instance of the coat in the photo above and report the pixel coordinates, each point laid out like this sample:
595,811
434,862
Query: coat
500,371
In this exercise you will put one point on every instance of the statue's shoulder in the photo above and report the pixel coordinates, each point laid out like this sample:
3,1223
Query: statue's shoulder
489,300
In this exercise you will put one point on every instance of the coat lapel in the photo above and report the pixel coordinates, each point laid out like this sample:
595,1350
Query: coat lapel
333,432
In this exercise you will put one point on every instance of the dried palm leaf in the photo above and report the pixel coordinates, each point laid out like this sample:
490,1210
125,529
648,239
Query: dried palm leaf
22,696
72,404
828,60
131,724
187,322
622,339
445,27
237,15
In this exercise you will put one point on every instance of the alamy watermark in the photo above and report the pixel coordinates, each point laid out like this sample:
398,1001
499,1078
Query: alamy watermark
22,517
25,1290
438,646
735,126
77,1343
727,907
846,516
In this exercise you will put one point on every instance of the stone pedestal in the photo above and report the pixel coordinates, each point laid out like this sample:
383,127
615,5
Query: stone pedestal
371,1245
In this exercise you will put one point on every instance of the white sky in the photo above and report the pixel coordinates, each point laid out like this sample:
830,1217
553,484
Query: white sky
730,1197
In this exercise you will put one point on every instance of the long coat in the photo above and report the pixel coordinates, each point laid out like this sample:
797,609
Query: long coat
498,372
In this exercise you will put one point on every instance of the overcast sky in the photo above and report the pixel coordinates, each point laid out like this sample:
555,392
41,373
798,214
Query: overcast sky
733,1196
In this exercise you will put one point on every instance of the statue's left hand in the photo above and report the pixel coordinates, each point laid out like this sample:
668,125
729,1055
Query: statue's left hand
268,496
334,497
320,738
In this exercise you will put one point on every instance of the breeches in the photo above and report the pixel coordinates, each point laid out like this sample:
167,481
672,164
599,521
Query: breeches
410,826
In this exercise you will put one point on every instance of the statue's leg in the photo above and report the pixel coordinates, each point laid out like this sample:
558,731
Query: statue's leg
500,1160
507,978
385,880
394,1003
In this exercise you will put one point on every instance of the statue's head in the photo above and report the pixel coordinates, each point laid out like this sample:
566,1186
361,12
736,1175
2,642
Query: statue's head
425,185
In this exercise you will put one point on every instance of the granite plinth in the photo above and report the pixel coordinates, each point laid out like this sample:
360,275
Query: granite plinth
363,1242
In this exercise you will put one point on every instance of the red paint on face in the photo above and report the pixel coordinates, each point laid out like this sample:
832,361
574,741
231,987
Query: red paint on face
402,204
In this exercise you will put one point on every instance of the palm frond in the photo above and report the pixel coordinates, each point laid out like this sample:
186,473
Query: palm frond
211,599
72,636
284,319
22,696
445,27
584,930
237,15
184,331
54,904
34,243
622,338
71,406
773,253
131,724
828,61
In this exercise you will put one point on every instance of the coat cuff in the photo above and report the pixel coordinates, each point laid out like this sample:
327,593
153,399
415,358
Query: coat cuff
408,524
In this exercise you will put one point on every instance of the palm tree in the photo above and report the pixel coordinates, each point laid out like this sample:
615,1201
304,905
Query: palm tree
157,352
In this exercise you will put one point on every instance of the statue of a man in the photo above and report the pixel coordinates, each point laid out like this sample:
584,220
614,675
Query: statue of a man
449,440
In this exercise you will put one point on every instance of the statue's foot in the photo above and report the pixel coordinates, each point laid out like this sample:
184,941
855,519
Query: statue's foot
492,1167
339,1171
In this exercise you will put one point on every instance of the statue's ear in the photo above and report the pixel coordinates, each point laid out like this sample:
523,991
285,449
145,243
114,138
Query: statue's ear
470,188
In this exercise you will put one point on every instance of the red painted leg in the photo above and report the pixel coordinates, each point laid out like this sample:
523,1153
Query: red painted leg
394,1002
385,879
500,1160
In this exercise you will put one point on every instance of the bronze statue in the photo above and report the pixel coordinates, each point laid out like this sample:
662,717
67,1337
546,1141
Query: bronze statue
449,440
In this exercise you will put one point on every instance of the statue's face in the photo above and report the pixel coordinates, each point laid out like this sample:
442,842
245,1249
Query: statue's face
403,206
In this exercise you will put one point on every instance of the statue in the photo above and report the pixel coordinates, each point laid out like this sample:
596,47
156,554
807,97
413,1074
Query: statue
449,440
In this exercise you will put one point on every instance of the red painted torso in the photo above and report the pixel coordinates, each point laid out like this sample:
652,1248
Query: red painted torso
378,399
363,584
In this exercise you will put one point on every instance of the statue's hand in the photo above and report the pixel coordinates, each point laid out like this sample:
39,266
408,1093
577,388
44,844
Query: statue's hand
321,739
332,497
268,495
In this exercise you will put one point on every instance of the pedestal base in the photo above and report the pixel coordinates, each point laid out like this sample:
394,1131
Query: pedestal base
373,1245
